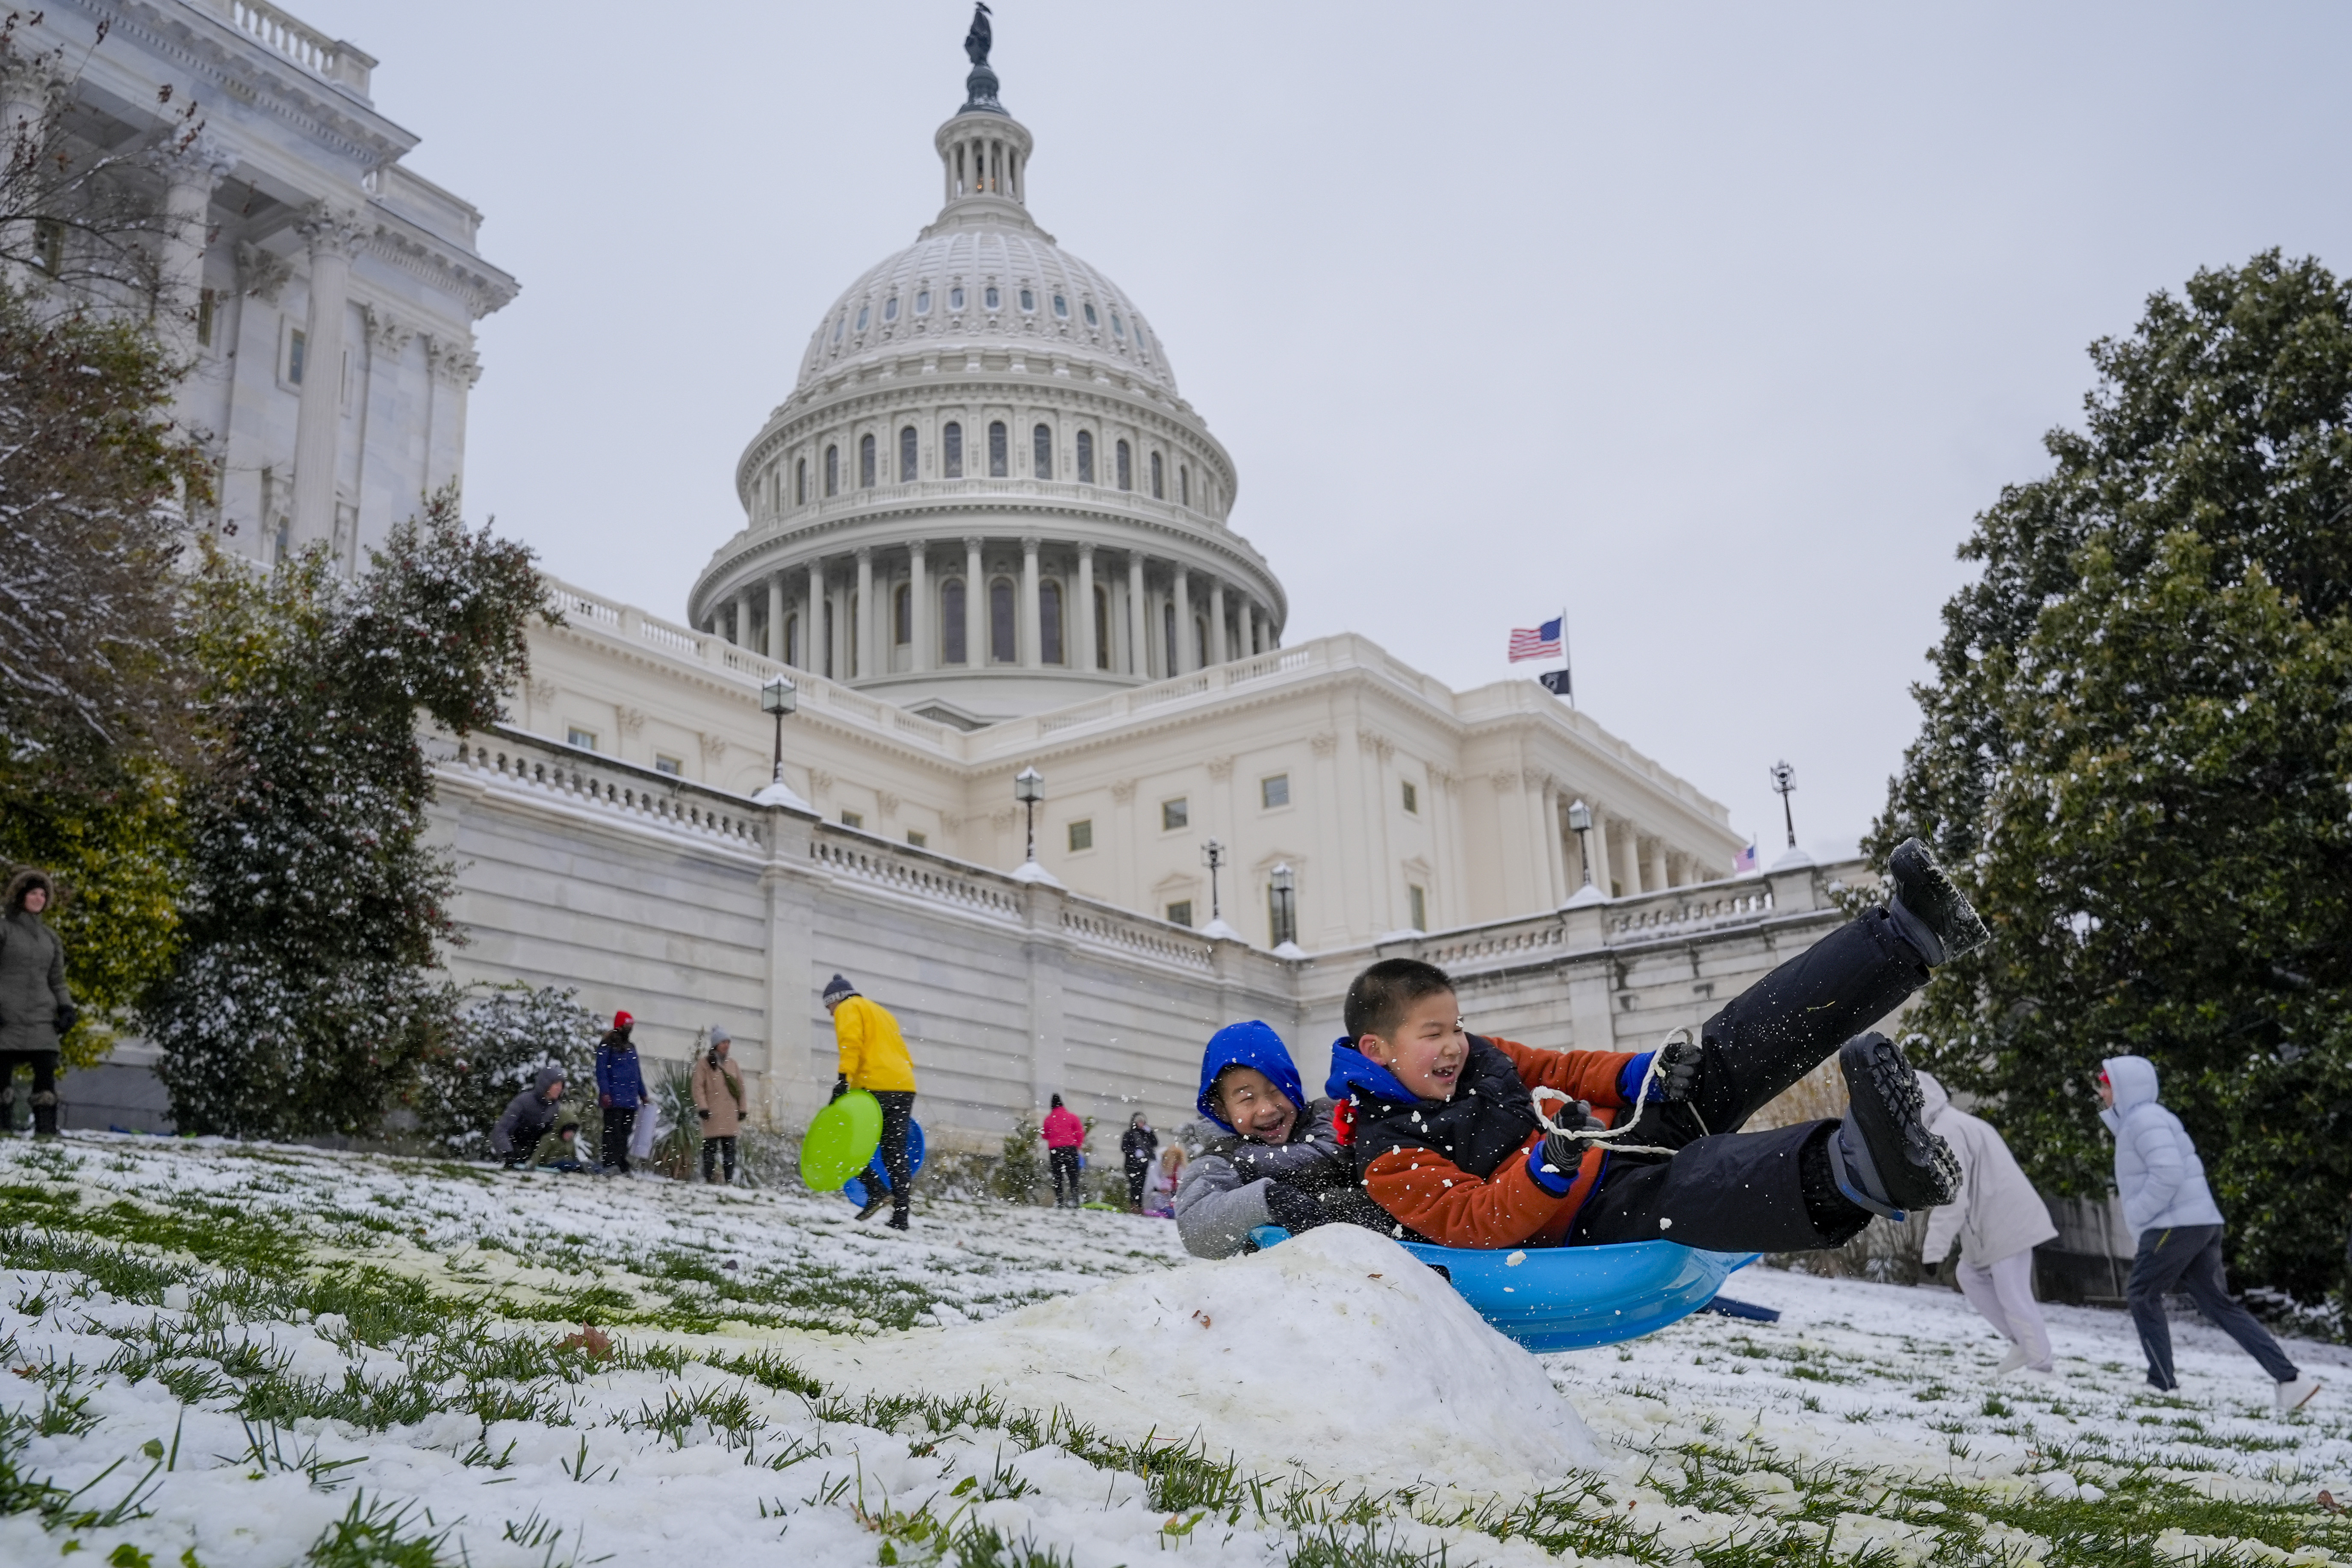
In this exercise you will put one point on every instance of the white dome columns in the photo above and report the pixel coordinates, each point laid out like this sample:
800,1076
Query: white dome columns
984,156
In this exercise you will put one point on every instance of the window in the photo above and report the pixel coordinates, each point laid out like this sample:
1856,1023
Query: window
1001,649
828,636
853,819
1091,318
1280,919
1175,813
955,298
891,309
1082,834
1125,461
670,765
992,299
863,312
1158,484
205,303
297,345
1201,642
1041,451
583,739
1275,791
952,622
999,464
916,838
832,470
800,482
1085,457
1418,902
923,302
902,616
1413,797
951,451
1062,306
1028,301
906,454
837,327
1118,326
792,641
865,462
1179,912
1183,485
1168,624
1049,621
1102,629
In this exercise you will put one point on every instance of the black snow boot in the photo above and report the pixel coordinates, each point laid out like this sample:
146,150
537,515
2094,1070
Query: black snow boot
1885,1158
45,1114
1934,916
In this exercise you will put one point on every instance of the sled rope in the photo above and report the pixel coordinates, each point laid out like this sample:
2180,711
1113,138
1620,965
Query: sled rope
1608,1136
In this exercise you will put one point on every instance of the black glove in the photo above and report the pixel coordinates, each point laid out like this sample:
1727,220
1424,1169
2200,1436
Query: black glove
1678,1067
840,1088
67,1014
1560,1152
1293,1210
701,1115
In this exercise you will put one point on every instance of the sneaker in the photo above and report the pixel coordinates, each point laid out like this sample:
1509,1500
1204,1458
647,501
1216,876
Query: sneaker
2294,1397
2011,1361
1940,911
1892,1158
2039,1373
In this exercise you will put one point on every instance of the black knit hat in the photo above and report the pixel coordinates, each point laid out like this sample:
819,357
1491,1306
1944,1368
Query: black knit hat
838,987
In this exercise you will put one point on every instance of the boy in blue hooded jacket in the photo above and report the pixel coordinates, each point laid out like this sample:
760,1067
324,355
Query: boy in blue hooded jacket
1280,1161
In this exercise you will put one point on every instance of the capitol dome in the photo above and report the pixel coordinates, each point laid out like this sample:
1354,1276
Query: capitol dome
984,497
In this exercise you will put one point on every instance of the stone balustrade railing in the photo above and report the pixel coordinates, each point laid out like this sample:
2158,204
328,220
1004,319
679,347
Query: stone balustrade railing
1677,910
653,799
1136,936
283,34
845,852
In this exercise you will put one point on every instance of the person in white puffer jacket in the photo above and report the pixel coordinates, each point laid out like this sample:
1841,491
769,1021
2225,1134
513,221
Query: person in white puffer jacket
1999,1219
2169,1205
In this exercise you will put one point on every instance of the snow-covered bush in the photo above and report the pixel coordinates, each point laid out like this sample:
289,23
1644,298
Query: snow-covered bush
678,1139
1019,1171
498,1043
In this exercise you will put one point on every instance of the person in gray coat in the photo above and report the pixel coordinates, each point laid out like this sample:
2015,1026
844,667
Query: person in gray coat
529,1117
1999,1219
2169,1208
35,1008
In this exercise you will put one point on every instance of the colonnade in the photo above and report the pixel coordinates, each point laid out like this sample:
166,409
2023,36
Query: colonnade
1625,861
1028,604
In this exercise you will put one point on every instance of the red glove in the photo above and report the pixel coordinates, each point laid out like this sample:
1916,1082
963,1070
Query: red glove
605,1100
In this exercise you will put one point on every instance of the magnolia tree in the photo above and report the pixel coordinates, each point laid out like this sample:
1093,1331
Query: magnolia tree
304,995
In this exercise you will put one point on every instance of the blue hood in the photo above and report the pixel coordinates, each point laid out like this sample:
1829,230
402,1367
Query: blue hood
1352,1069
1250,1045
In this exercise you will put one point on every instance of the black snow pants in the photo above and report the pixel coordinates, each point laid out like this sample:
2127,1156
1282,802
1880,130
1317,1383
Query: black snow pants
898,1121
715,1151
44,1087
2190,1256
1728,1191
1065,1162
1138,1171
619,1123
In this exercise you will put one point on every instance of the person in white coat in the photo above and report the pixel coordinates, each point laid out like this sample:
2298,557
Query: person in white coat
1998,1220
2169,1208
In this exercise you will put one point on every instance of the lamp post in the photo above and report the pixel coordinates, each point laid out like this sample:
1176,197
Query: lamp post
1029,788
1579,822
1213,854
1285,883
1784,784
778,697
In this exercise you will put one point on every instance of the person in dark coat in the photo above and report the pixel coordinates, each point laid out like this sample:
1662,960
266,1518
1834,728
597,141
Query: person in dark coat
1137,1145
620,1089
529,1117
35,1008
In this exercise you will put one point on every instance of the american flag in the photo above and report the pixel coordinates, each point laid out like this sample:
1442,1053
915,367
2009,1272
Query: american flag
1536,642
1743,861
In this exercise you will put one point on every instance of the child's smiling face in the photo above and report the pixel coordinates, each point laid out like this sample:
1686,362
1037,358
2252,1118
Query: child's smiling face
1254,1107
1428,1049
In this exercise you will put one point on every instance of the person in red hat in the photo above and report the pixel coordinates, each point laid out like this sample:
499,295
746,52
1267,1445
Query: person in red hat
620,1089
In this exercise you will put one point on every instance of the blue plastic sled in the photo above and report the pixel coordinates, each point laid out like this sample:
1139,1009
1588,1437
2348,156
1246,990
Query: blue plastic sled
1567,1298
855,1188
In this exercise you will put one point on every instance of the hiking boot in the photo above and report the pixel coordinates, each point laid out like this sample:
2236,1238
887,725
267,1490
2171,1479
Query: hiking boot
1935,916
873,1206
45,1114
1888,1161
899,1222
2292,1397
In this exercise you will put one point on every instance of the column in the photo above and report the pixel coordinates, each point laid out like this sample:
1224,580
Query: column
918,607
975,607
1032,654
1185,663
1604,862
1256,629
1554,853
1624,846
743,596
32,89
1653,872
776,616
1219,652
862,639
1137,664
1083,611
334,236
191,168
813,618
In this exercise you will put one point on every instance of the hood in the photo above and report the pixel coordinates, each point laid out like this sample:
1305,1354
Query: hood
2134,1080
23,882
1250,1045
1351,1069
1934,1100
544,1079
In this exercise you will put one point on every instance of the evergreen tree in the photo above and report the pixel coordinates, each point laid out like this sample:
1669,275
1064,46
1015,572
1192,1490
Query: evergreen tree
2135,756
301,997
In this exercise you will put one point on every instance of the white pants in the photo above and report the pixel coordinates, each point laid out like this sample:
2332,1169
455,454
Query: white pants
2002,1294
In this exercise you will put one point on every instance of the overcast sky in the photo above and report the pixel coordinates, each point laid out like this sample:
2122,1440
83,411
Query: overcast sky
1715,325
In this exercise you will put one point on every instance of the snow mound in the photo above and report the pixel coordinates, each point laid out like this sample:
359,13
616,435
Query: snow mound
1336,1351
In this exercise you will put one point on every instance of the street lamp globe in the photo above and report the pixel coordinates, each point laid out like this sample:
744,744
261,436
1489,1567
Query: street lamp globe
1029,788
778,697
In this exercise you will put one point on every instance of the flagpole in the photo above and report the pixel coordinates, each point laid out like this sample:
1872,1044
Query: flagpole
1566,665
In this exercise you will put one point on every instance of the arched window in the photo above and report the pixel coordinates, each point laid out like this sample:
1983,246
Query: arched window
1049,622
1001,648
902,616
906,454
1168,624
832,470
952,622
828,636
1041,451
1126,468
1102,629
1158,486
952,450
792,641
800,482
999,464
1085,457
1201,642
865,462
1183,485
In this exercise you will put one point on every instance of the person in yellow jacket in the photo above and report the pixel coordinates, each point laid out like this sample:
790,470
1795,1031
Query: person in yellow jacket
873,1058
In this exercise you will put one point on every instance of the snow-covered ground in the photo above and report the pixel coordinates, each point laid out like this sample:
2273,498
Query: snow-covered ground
237,1354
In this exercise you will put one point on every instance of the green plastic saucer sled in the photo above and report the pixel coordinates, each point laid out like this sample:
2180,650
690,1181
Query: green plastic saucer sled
840,1141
